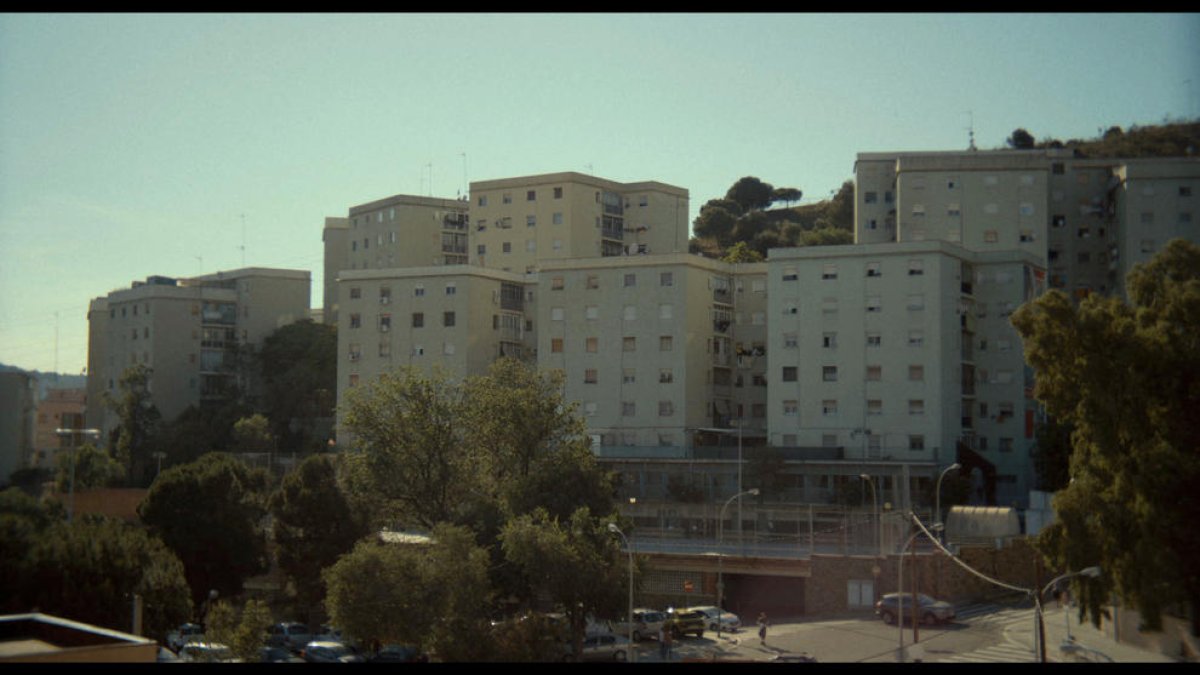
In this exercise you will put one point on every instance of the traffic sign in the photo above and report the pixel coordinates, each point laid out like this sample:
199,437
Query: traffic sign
688,587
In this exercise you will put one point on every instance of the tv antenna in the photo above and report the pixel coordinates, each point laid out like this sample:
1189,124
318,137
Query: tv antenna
466,186
429,166
971,130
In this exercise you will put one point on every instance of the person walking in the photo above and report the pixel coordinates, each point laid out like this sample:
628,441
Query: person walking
762,628
662,642
667,643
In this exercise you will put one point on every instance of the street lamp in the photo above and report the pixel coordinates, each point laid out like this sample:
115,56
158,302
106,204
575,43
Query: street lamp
937,516
878,517
721,555
63,433
900,592
612,527
1090,572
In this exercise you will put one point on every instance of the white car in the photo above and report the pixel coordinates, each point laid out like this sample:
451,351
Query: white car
188,632
207,652
729,622
601,647
646,624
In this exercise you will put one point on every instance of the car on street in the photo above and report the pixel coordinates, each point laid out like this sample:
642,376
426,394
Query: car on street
685,622
802,657
327,651
601,647
646,624
930,611
290,634
399,654
188,632
729,622
207,652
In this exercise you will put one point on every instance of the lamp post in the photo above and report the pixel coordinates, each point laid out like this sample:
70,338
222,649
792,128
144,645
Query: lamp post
1091,572
721,556
612,527
938,496
900,592
67,433
878,517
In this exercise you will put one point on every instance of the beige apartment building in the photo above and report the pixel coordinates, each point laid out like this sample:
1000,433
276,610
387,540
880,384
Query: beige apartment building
59,409
401,231
185,331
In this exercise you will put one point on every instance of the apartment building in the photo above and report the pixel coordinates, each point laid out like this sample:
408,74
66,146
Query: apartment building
401,231
186,332
18,401
458,318
902,352
59,409
517,223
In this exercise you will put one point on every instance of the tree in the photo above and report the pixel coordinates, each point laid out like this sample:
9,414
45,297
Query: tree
93,468
298,370
1127,378
209,512
432,595
1020,140
751,194
313,524
253,434
1052,454
139,423
716,221
742,253
556,555
243,631
786,195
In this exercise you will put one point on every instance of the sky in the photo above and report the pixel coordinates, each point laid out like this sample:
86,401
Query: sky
134,145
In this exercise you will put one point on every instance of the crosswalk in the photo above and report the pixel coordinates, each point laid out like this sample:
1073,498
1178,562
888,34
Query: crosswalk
1001,653
999,616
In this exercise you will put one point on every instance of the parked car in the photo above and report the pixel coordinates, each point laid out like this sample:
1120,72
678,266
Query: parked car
399,654
269,654
207,652
601,647
729,622
802,657
326,651
646,623
289,634
931,611
685,621
188,632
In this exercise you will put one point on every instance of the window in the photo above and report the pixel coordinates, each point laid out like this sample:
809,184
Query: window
1006,445
419,291
789,373
790,309
418,320
990,236
829,305
874,406
873,270
953,210
790,407
1025,209
591,312
1147,246
916,406
918,210
982,442
629,344
385,322
483,200
556,283
630,280
665,376
874,373
628,408
630,313
790,340
916,268
451,288
1058,221
592,345
1185,191
556,313
355,292
870,197
916,301
448,319
829,271
1147,217
448,348
589,376
789,274
666,408
874,340
665,343
916,373
873,304
916,442
481,249
1185,218
916,338
556,345
829,340
355,351
758,318
665,311
531,196
1026,235
593,281
506,247
666,279
829,407
829,373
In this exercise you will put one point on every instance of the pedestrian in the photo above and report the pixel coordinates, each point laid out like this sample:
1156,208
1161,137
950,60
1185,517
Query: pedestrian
668,640
662,642
762,628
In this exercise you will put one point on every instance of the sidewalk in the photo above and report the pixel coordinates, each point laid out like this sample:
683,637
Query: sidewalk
1091,643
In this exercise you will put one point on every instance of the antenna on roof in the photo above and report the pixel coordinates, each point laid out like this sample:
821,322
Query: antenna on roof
466,189
971,130
430,167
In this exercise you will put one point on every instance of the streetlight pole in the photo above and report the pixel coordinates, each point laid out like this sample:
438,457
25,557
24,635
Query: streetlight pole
938,496
878,517
69,433
1091,572
612,527
900,591
721,556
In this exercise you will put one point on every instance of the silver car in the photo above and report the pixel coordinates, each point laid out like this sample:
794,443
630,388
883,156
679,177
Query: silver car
729,622
646,624
601,647
930,611
327,651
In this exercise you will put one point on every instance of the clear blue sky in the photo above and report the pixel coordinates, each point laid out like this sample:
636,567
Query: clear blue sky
130,145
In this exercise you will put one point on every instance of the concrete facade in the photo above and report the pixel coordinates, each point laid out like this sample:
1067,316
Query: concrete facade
18,402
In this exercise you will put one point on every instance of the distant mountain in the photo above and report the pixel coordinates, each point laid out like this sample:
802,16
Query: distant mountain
50,380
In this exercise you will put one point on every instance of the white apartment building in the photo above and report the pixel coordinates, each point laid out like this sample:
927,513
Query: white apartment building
185,331
900,352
